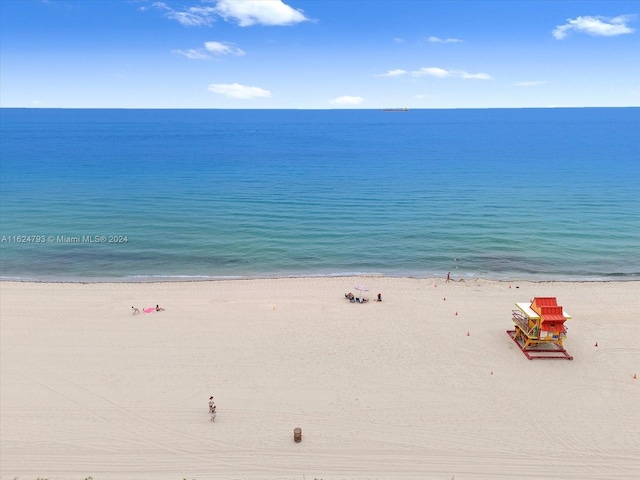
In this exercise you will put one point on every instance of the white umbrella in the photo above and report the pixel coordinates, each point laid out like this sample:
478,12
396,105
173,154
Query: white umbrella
361,289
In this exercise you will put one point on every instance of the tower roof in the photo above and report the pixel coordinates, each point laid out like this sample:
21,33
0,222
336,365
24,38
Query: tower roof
548,309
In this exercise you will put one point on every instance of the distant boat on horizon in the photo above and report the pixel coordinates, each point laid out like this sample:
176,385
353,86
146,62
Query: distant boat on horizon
404,109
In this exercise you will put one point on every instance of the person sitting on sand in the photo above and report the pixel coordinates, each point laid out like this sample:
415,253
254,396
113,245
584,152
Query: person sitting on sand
349,296
159,309
135,310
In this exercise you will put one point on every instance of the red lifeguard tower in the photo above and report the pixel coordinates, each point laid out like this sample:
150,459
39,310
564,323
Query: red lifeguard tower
539,328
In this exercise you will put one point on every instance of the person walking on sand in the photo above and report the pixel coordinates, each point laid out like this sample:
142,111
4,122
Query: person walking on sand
213,414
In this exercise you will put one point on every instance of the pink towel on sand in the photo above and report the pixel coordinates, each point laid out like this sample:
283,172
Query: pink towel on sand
149,309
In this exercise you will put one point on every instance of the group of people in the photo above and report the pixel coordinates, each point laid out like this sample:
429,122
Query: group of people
212,409
352,298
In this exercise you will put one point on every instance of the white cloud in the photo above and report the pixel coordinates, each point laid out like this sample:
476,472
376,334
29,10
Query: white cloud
259,12
596,26
393,73
347,100
473,76
191,17
431,71
223,48
529,84
443,40
236,90
244,12
398,40
443,73
211,48
193,54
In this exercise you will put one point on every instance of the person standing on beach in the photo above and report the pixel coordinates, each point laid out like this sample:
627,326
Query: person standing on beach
448,277
212,405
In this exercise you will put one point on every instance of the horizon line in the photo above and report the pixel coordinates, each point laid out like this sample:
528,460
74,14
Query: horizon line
320,109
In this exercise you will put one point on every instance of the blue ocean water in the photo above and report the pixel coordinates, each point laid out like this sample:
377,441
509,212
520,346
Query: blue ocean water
138,195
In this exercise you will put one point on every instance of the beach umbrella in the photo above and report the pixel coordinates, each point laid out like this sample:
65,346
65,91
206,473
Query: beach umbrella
361,288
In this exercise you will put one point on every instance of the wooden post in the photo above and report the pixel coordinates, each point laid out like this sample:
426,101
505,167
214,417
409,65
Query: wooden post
297,434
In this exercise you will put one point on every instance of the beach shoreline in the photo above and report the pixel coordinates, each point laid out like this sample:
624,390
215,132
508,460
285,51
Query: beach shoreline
425,384
177,279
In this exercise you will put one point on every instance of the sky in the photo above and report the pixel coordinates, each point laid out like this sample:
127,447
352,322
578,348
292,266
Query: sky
319,54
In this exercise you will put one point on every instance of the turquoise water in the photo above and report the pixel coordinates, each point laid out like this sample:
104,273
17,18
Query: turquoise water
188,194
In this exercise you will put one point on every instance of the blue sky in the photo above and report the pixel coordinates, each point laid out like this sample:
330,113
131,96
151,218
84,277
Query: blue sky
319,54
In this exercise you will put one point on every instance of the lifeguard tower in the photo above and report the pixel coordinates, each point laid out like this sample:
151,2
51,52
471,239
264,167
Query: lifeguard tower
539,328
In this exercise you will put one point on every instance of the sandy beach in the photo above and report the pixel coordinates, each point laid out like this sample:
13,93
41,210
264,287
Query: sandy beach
424,385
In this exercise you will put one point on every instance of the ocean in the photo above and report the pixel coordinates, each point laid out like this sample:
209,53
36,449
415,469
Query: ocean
141,195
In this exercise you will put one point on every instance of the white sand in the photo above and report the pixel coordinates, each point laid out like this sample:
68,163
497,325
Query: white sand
391,390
